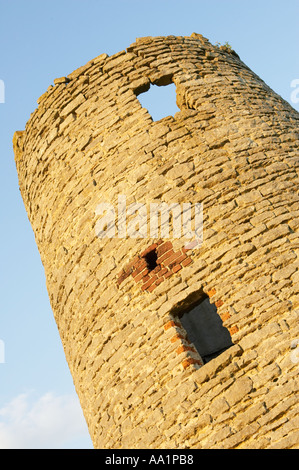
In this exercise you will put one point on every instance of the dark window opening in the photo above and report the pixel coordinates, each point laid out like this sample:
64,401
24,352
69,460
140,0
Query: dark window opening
205,330
160,101
151,260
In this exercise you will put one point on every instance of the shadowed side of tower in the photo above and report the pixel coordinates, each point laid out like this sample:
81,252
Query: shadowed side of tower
147,373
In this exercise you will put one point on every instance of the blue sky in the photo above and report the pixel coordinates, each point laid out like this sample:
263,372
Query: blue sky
41,41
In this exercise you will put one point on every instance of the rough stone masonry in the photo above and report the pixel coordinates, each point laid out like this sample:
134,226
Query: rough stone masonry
233,147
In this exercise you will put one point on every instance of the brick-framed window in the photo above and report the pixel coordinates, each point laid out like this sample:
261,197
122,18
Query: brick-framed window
197,328
205,330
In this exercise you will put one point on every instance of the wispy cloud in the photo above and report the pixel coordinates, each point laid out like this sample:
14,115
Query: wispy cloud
45,422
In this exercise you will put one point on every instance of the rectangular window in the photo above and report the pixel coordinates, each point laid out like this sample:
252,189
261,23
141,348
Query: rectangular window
205,330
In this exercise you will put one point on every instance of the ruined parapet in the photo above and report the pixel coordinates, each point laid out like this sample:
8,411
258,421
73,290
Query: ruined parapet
120,302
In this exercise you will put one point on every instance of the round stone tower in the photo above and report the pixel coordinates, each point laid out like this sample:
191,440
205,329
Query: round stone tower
171,343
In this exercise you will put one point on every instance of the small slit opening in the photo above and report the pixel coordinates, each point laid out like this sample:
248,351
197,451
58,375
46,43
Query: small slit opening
151,260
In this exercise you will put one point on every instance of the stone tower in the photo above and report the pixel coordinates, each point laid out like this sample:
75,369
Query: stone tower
127,306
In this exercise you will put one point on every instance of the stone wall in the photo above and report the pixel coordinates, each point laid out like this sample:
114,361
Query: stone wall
233,146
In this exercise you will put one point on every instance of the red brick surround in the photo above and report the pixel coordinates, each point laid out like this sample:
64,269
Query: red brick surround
168,263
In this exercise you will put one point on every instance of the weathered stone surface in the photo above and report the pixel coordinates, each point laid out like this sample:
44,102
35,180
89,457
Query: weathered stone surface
232,146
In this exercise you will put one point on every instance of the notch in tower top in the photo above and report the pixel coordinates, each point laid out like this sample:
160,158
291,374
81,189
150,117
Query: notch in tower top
160,101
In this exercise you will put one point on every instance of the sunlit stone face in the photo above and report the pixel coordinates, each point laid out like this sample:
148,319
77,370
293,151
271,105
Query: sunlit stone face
143,380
